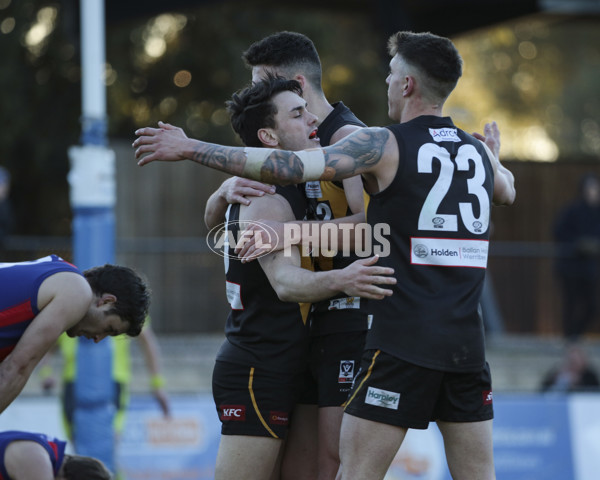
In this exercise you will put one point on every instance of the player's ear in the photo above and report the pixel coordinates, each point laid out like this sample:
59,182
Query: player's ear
267,137
301,79
106,298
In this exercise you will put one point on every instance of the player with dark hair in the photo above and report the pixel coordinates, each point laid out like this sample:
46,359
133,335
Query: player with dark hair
259,369
41,299
35,456
338,324
434,185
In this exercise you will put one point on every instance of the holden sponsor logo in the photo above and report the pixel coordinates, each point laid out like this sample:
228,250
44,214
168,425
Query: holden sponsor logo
382,398
488,397
233,412
279,418
420,250
222,240
346,374
477,226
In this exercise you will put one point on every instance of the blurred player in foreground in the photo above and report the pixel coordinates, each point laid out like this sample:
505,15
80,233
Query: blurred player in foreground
35,456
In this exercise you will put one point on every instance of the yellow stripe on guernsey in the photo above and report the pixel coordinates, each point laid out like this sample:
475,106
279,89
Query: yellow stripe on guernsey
306,262
335,197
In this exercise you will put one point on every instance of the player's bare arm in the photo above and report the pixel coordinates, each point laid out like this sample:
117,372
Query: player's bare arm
361,152
28,460
64,299
363,278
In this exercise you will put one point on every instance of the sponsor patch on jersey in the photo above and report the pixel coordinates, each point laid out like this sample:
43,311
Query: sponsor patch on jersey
344,303
488,397
236,413
313,189
444,134
234,296
346,371
279,418
382,398
449,252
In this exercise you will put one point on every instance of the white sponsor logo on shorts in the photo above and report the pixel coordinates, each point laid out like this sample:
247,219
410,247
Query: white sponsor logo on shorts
382,398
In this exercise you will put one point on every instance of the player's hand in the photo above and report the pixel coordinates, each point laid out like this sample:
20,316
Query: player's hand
238,189
162,144
491,137
362,277
260,238
163,401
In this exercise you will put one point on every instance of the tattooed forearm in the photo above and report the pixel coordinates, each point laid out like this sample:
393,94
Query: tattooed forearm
226,159
282,167
355,153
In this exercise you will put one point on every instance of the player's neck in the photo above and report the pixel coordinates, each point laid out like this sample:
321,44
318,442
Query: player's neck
412,111
317,104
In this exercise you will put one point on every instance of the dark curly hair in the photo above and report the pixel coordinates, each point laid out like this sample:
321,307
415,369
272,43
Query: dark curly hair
78,467
435,57
290,52
252,108
131,291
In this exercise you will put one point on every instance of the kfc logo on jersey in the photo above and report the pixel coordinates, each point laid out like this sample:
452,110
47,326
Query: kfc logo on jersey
488,398
233,412
444,134
346,371
279,418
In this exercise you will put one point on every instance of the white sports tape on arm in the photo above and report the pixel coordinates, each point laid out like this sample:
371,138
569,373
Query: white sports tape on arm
314,164
255,159
313,161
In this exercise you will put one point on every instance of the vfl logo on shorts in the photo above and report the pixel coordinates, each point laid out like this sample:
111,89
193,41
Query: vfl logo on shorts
279,418
346,371
382,398
235,413
488,397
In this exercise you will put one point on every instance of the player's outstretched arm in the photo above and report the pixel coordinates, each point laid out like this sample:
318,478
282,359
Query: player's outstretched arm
358,153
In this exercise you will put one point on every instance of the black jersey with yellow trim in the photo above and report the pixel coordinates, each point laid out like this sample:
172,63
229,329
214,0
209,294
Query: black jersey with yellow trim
327,201
438,210
261,330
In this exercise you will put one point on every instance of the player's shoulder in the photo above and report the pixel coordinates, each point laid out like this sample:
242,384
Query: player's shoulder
274,207
71,286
